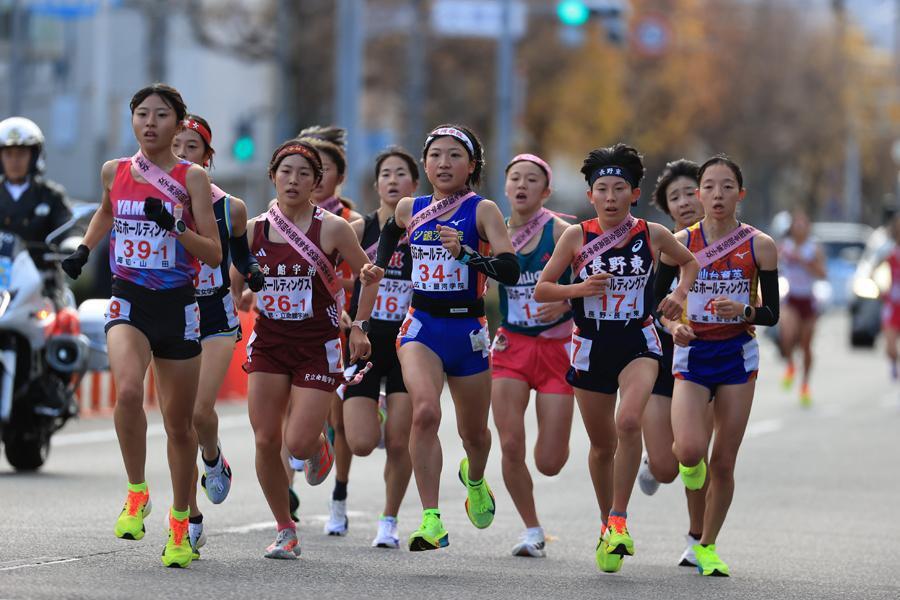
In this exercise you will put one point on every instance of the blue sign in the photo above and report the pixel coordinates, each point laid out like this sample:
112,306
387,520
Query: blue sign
69,9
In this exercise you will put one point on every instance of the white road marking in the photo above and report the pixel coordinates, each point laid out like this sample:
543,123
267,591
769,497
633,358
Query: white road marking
154,430
763,427
38,562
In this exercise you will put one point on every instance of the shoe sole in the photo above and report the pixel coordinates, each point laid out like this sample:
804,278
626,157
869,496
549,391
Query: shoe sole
283,555
176,564
339,532
459,474
526,553
206,491
621,550
388,545
686,563
419,544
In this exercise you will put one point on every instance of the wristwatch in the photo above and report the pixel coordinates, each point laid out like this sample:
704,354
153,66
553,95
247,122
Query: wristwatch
748,312
363,325
465,254
180,227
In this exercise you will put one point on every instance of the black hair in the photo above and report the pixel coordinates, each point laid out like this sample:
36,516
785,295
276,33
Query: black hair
316,164
722,159
169,95
330,133
400,153
478,155
673,170
205,123
621,155
334,151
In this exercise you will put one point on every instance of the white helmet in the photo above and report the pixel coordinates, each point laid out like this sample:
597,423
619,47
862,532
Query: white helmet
19,131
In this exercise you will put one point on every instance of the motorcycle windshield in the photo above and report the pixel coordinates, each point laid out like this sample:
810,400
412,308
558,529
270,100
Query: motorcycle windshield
9,247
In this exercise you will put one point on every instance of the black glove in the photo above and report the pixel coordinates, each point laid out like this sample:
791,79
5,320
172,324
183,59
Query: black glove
255,278
156,212
73,264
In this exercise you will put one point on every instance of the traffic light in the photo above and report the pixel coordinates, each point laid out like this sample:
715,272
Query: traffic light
572,12
244,146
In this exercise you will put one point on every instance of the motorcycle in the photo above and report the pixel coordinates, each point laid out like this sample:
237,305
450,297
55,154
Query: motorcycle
43,353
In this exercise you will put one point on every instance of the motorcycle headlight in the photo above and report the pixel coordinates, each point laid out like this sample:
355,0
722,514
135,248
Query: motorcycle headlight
865,287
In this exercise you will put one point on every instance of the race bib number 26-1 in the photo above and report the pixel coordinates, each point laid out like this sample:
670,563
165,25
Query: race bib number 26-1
286,298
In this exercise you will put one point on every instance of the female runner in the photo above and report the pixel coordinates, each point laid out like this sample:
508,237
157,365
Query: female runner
445,330
529,350
160,211
615,344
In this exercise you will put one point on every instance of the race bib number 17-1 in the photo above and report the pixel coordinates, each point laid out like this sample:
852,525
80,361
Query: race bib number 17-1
623,300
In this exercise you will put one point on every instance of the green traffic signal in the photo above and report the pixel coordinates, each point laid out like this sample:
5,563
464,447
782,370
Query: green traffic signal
244,148
572,12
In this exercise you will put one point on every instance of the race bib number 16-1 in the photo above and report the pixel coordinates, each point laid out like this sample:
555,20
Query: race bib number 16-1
392,301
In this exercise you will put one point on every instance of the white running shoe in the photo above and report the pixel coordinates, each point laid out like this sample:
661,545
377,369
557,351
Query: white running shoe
197,537
531,544
296,463
388,534
286,545
216,481
646,480
688,559
338,523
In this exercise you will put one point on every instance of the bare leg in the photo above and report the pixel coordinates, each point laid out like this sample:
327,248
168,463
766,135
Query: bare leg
472,399
129,357
509,401
398,466
635,384
598,413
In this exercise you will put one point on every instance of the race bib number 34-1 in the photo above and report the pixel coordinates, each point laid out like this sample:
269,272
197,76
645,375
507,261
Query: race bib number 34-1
286,298
522,306
393,299
435,270
623,300
143,245
701,302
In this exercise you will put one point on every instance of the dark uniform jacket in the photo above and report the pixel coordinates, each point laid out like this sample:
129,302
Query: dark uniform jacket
41,209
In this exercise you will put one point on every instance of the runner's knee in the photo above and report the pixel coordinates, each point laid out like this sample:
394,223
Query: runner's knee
513,447
550,463
426,419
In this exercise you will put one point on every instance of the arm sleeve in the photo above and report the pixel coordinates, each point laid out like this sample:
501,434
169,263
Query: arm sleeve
504,267
665,275
387,242
767,314
240,254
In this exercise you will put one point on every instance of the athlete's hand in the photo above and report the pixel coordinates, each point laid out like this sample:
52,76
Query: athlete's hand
450,240
255,278
370,274
346,322
682,334
156,212
594,285
360,347
552,311
671,306
727,308
245,303
74,262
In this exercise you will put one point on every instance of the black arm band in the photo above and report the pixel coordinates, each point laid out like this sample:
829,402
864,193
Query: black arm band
767,314
504,267
240,253
387,243
665,275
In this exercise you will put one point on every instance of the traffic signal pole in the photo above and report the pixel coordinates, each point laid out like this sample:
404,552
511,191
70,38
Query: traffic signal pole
349,40
503,105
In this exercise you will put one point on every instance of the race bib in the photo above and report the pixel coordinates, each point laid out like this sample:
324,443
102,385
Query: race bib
522,306
435,270
286,298
580,353
701,306
143,245
393,299
209,280
623,300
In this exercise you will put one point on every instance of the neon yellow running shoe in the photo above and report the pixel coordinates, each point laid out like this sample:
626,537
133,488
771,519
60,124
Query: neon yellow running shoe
708,562
430,535
787,380
693,477
480,505
805,396
130,524
178,551
618,540
606,562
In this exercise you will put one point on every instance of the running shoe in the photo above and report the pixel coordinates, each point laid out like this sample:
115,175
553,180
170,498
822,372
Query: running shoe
693,477
531,543
688,558
130,524
430,535
787,380
382,417
388,535
178,551
319,466
295,503
337,523
894,374
480,505
296,463
606,562
708,562
618,539
805,396
646,480
286,545
216,482
197,538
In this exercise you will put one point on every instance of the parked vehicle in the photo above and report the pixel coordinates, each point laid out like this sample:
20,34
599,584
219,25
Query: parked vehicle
871,279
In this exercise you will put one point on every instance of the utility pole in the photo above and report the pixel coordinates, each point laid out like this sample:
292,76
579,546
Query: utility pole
18,54
349,41
416,53
287,80
503,104
156,14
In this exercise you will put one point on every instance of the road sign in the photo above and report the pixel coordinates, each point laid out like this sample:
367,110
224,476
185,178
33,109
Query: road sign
68,9
476,18
652,35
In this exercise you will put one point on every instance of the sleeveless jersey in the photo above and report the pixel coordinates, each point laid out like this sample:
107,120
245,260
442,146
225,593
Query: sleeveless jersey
628,300
394,290
139,250
893,261
343,269
733,276
436,274
294,304
800,280
517,305
210,281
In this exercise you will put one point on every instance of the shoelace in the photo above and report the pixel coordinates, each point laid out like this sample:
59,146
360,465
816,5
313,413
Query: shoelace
179,528
135,501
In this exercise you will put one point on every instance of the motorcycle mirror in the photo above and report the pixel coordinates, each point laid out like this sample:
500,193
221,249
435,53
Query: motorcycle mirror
79,212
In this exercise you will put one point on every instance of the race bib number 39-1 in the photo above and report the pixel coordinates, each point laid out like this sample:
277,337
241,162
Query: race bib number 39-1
522,306
143,245
393,299
435,270
286,298
701,301
623,300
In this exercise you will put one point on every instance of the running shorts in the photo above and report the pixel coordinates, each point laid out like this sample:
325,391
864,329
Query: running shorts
712,363
310,363
540,362
890,315
462,344
218,316
665,381
595,364
169,319
805,307
385,365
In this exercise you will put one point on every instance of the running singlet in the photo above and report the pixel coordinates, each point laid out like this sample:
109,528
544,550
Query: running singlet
294,302
732,276
800,280
436,273
394,290
139,250
211,281
518,308
893,261
628,300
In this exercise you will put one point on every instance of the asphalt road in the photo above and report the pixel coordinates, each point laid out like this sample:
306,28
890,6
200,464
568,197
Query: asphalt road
814,516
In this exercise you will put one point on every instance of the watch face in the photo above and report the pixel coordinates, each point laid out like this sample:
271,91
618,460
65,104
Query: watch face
180,226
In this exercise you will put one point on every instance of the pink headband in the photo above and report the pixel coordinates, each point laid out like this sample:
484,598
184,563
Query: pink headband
536,160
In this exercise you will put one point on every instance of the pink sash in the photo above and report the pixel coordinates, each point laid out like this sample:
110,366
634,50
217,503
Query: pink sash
332,205
600,244
531,228
720,248
159,179
304,246
217,192
436,209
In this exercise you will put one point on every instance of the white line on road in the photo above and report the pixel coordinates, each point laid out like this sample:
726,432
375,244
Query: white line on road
263,525
40,563
763,427
155,430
